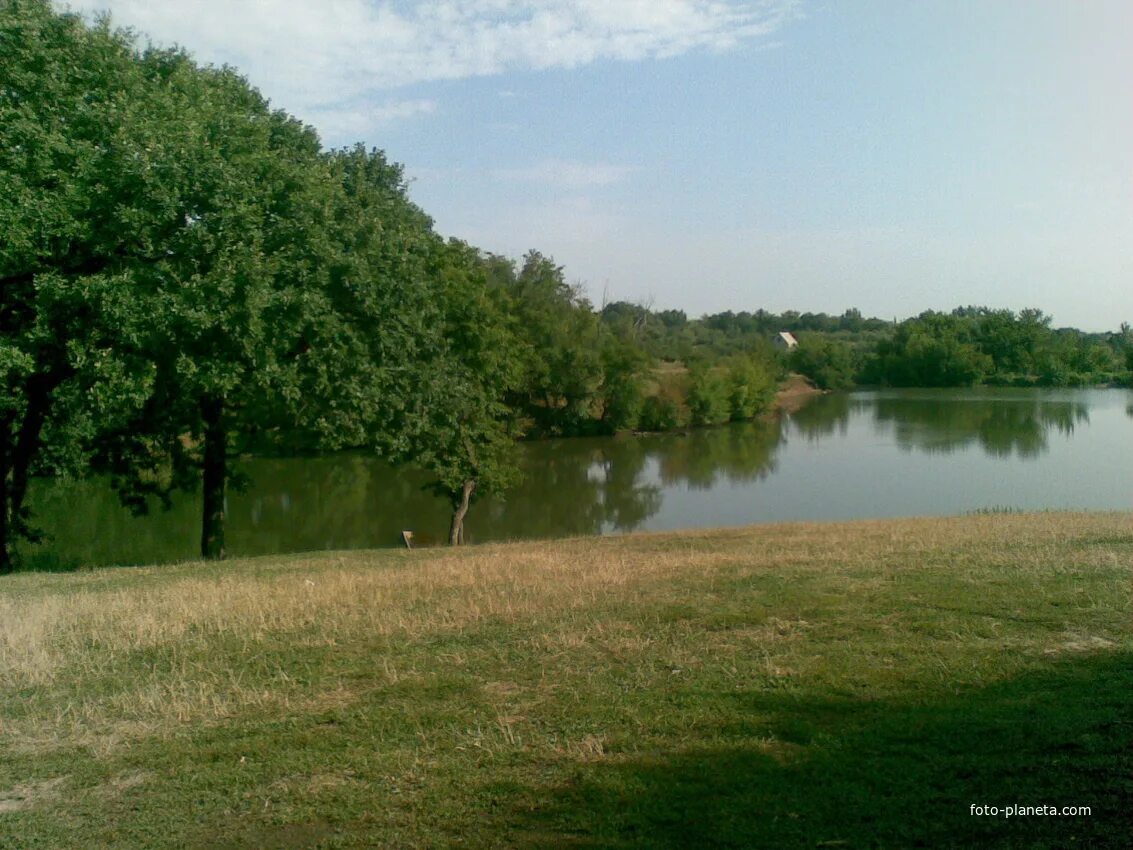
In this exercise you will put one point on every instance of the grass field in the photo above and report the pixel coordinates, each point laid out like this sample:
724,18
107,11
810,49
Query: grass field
820,685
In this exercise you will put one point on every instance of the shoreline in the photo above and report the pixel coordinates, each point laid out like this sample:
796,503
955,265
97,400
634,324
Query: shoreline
795,392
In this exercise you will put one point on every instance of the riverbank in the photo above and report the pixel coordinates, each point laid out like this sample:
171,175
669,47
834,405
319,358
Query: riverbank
794,393
843,684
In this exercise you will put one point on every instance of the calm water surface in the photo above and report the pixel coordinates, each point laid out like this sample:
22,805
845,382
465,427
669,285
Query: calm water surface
866,454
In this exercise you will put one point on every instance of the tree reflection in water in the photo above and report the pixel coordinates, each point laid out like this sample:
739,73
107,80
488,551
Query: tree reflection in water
703,458
825,416
1001,427
571,487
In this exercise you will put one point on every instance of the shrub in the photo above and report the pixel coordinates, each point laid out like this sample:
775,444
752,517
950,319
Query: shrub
751,388
708,397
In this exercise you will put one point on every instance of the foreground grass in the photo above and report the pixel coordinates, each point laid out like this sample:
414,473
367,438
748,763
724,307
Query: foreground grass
837,685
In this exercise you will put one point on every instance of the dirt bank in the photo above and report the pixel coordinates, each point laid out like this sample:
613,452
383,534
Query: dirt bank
796,391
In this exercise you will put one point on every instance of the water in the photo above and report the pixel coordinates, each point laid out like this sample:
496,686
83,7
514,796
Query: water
866,454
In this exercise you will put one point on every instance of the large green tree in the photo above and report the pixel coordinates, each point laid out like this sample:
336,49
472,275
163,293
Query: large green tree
186,275
79,220
233,294
932,350
305,317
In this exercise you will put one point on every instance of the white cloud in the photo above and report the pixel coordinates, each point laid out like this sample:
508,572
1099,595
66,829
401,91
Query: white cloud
323,58
354,122
567,174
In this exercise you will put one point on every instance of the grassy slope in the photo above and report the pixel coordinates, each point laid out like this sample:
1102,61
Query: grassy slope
839,685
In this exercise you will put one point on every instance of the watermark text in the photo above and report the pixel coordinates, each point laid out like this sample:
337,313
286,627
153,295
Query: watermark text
1015,810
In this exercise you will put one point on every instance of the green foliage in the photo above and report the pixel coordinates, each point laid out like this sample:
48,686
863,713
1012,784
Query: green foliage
81,221
236,291
464,429
933,350
709,397
979,345
829,363
739,388
187,275
624,370
559,352
670,335
665,411
751,387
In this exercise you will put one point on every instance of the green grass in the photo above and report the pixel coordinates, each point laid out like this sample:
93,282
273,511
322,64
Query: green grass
831,685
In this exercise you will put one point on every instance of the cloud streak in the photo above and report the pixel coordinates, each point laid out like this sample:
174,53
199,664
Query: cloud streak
309,57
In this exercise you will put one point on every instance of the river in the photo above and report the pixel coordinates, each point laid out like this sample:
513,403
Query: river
882,453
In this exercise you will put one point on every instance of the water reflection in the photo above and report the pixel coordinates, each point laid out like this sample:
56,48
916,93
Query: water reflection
1001,427
825,416
572,487
732,474
704,459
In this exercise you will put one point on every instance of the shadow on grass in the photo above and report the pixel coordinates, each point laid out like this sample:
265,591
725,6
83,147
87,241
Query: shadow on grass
851,772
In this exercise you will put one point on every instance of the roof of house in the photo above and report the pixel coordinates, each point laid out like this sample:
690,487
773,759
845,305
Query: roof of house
788,338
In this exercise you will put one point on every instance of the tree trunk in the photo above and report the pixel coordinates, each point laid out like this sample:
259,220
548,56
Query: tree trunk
22,452
5,468
214,475
17,452
5,558
456,530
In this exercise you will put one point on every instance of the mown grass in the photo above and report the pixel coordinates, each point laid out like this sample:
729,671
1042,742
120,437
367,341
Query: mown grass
830,685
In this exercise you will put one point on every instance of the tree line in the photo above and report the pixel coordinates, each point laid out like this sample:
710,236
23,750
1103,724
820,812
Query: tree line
966,347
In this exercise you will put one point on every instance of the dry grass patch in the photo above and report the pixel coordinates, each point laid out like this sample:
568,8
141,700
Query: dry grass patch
387,695
31,794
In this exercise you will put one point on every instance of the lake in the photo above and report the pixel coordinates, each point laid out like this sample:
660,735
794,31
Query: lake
882,453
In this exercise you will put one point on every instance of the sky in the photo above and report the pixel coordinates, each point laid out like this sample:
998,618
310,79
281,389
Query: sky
710,155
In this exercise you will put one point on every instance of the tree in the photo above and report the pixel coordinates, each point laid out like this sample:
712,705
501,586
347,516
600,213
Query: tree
234,293
466,433
1013,342
187,275
708,399
562,370
327,343
624,366
83,214
932,350
751,387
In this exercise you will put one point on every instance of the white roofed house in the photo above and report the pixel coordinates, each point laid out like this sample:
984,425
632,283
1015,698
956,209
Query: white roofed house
785,340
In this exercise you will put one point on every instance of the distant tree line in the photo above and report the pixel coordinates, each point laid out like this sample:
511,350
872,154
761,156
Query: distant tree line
969,346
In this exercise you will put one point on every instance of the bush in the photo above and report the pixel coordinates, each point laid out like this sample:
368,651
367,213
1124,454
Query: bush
662,412
708,397
829,363
751,388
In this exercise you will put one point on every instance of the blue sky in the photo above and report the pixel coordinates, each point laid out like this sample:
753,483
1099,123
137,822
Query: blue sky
709,155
